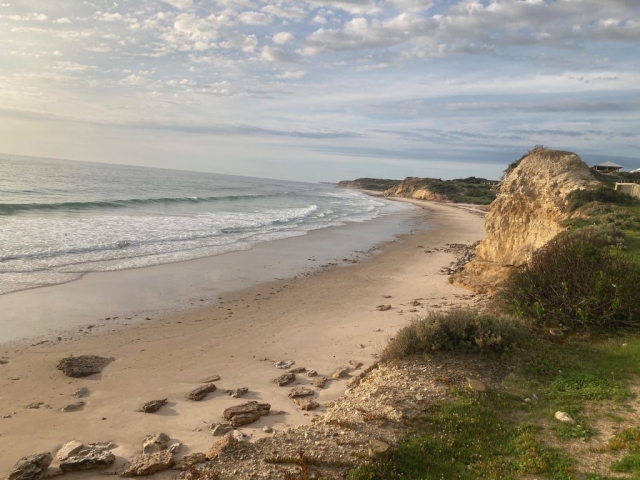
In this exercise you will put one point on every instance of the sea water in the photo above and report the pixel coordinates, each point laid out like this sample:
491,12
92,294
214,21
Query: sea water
61,219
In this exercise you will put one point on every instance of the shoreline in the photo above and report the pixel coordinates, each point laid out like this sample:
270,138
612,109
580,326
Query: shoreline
322,321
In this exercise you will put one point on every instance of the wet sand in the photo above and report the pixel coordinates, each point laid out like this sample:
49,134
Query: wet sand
321,321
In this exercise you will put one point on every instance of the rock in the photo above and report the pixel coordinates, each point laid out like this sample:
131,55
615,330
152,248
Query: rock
155,443
383,308
267,429
556,333
341,372
237,435
564,417
190,460
415,303
34,406
220,446
320,382
312,373
88,459
175,448
246,413
377,448
476,386
82,392
3,362
73,407
238,392
146,464
306,403
244,419
102,446
219,429
355,364
153,406
212,379
284,364
201,392
32,467
284,380
83,365
69,449
298,370
300,392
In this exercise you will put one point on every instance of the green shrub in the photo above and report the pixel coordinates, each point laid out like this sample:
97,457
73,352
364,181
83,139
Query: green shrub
579,198
579,280
456,330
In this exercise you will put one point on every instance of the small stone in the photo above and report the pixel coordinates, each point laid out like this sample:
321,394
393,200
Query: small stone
219,429
83,365
320,382
298,370
284,380
31,467
556,333
341,372
34,406
244,419
146,464
69,449
175,448
201,392
246,413
156,443
383,308
564,417
267,429
300,392
284,364
312,373
82,392
88,460
153,406
102,446
476,386
377,448
355,364
212,379
306,403
73,407
238,392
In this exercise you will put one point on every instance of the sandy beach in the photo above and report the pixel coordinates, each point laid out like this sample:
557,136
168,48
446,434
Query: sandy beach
321,321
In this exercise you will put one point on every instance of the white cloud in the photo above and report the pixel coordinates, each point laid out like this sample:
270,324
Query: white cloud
62,20
283,37
134,80
254,18
180,4
292,74
110,17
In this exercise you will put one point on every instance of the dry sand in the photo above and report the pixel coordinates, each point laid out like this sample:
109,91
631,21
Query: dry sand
321,321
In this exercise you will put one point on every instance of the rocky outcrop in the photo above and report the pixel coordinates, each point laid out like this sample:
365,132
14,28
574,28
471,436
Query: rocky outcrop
146,464
529,210
88,459
32,467
246,413
414,187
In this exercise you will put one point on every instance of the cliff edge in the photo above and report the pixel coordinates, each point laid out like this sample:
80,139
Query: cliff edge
530,207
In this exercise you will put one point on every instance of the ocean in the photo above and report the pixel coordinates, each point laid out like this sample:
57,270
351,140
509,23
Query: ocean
62,219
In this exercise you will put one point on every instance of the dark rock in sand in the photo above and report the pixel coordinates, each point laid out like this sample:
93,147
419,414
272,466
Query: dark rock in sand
201,392
383,308
88,459
35,405
244,419
81,393
284,380
32,467
238,392
153,406
214,378
73,407
341,372
146,464
320,382
83,365
3,362
246,408
298,370
300,392
306,403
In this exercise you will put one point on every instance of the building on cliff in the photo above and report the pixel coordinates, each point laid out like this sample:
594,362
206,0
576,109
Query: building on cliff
607,167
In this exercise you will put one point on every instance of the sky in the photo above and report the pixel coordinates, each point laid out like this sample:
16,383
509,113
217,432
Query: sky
320,90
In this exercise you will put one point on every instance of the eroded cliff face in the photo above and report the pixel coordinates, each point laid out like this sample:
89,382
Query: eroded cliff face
410,188
531,204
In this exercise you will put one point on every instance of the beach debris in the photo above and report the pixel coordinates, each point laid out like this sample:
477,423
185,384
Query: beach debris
83,365
238,392
212,379
320,382
298,370
246,413
219,429
383,308
306,403
153,406
564,417
69,449
300,392
175,447
31,467
355,364
34,406
267,429
201,392
155,443
284,364
73,407
88,459
146,464
190,460
82,392
312,373
340,372
284,380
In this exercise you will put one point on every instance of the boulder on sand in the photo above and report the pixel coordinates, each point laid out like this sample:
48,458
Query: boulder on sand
88,459
146,464
152,406
83,365
201,392
31,467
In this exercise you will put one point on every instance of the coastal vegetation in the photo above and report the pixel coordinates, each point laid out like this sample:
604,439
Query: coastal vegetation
565,333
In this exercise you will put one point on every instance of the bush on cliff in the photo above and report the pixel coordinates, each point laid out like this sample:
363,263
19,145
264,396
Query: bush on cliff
579,198
456,330
582,281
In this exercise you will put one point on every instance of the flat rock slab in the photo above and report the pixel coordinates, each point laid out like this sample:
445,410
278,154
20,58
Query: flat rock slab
146,464
69,450
73,407
300,392
32,467
189,460
284,380
219,429
244,419
153,406
156,443
83,365
284,364
214,378
88,460
250,407
201,392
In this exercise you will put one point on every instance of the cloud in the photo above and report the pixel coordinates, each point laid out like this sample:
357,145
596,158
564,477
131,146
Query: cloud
180,4
283,37
291,74
134,80
271,54
254,18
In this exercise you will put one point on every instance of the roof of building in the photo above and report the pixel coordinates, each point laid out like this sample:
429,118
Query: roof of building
608,164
